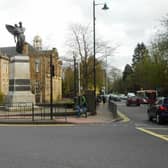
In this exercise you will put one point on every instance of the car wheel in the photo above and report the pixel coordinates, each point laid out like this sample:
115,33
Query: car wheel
158,119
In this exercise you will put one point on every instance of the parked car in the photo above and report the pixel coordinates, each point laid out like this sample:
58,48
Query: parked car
133,100
114,97
158,110
123,97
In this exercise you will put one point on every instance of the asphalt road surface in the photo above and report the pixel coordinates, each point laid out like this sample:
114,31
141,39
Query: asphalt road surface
116,145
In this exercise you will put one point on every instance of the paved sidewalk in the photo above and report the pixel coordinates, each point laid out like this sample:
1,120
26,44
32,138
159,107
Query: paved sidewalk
103,116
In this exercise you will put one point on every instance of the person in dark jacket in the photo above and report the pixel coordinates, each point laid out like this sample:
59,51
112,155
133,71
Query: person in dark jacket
82,106
104,99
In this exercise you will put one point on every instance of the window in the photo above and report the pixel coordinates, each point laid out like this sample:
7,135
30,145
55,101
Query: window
37,65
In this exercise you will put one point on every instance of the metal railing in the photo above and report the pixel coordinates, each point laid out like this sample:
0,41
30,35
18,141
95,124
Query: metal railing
33,112
113,108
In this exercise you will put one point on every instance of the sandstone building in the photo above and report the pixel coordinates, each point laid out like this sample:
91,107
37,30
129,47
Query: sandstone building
39,70
4,74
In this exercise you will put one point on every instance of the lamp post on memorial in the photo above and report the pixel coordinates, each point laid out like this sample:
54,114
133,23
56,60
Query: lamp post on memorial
105,7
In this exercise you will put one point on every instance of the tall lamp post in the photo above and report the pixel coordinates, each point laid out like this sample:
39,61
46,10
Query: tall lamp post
105,7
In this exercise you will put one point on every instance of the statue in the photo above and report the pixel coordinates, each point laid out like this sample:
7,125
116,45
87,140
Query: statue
18,32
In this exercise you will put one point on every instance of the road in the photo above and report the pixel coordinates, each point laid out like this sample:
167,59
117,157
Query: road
115,145
138,117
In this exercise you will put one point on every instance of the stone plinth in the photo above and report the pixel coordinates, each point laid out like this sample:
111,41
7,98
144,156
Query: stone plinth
19,81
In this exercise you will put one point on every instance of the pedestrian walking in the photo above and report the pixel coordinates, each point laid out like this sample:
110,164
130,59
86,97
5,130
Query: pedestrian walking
104,99
84,105
81,108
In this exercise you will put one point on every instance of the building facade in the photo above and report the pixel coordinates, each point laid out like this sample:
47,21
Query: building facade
40,75
4,74
39,71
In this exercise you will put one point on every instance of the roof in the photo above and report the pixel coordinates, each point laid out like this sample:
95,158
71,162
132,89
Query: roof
9,51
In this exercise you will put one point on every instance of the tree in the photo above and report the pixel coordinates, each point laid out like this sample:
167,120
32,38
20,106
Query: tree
140,57
81,45
159,46
139,53
127,71
68,81
114,74
149,66
117,86
159,54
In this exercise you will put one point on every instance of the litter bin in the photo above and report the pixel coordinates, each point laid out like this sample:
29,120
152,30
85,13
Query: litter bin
90,98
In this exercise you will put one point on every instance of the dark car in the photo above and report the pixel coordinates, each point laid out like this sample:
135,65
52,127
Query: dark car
133,100
158,110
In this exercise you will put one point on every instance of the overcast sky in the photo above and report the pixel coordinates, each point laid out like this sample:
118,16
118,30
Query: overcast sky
126,23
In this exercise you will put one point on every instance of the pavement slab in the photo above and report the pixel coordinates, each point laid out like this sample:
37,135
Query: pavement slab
103,115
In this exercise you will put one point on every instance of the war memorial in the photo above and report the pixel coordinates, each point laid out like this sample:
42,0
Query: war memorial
19,77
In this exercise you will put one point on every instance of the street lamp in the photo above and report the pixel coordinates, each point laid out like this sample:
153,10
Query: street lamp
105,7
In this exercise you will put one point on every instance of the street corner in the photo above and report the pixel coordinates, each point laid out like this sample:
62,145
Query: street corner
122,117
83,120
90,119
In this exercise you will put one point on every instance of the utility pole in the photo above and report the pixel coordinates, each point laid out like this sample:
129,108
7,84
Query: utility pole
75,71
94,50
51,86
94,58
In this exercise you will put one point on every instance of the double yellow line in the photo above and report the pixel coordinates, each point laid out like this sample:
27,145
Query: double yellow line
163,137
124,117
147,131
